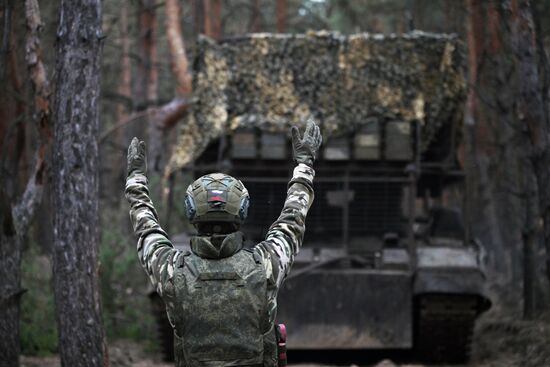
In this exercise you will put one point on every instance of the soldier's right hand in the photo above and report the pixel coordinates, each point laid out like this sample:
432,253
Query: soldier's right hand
305,149
137,157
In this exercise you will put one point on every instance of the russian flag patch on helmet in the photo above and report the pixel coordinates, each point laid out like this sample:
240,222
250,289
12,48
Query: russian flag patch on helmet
217,196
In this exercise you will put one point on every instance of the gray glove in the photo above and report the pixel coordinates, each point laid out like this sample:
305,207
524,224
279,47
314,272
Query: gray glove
137,157
305,149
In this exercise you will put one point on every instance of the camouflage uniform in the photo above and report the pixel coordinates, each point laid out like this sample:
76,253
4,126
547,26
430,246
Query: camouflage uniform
276,253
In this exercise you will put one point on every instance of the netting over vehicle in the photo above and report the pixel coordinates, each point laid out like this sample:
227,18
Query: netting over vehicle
270,81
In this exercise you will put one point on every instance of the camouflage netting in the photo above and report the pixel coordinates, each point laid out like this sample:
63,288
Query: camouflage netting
271,81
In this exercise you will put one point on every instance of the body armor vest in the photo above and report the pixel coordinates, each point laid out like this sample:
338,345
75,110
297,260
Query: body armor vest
220,315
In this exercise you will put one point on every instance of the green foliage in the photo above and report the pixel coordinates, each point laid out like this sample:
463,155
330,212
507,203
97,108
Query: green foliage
126,310
38,327
124,287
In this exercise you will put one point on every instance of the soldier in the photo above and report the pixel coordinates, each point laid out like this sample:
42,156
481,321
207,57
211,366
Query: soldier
221,299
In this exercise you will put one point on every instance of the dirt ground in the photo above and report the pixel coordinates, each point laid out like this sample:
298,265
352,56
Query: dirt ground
497,343
121,354
511,343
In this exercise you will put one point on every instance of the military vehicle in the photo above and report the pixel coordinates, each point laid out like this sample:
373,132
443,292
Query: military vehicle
387,262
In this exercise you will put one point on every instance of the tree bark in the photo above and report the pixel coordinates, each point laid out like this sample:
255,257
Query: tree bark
545,95
150,60
10,241
281,11
118,162
178,59
16,217
139,75
75,184
198,17
10,285
167,116
217,24
213,19
150,45
505,139
125,84
494,176
12,231
146,32
12,109
6,9
256,17
532,115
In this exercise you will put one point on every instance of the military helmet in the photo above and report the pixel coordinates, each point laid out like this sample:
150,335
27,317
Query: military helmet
217,198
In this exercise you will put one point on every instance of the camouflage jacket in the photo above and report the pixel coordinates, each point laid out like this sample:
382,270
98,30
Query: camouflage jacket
283,240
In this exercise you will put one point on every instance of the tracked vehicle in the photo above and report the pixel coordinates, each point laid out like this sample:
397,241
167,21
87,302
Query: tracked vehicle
387,262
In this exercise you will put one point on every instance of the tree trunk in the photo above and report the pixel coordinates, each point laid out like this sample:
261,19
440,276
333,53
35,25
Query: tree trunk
207,7
256,17
10,285
15,218
532,116
504,138
146,29
170,113
545,95
150,62
482,140
150,42
118,162
198,17
281,11
139,75
10,246
213,19
75,184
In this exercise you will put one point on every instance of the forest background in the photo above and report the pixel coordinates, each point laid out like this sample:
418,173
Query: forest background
145,91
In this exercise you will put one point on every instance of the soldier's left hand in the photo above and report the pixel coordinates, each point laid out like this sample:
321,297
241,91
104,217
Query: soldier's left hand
137,156
305,148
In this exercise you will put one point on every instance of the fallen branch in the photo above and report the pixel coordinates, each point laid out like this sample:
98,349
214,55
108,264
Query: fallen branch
16,217
166,116
134,117
172,112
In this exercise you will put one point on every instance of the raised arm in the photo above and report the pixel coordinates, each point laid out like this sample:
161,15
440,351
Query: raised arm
155,251
285,236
